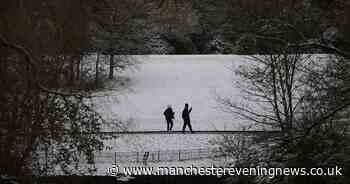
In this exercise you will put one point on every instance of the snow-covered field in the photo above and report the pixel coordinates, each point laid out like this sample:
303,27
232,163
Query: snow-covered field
159,80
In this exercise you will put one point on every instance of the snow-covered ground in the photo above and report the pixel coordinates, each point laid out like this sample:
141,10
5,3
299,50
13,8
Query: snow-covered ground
159,80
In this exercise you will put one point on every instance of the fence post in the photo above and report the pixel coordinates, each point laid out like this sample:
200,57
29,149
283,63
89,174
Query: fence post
158,155
137,157
115,158
179,155
145,157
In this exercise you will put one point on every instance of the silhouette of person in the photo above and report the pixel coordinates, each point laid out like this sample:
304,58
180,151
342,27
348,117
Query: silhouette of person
186,117
169,116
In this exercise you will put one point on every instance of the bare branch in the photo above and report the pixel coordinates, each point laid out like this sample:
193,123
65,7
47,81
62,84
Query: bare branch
31,61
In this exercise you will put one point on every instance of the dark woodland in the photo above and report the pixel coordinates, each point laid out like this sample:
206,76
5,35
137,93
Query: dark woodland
44,83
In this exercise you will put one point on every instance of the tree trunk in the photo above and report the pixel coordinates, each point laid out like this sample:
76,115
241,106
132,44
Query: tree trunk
72,72
97,70
78,68
111,66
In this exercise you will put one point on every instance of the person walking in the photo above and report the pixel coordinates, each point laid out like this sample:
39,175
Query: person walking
186,117
169,116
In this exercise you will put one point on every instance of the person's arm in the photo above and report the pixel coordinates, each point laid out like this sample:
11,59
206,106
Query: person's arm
190,110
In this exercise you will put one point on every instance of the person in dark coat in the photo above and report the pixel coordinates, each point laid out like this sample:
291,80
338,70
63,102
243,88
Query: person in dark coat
169,116
186,117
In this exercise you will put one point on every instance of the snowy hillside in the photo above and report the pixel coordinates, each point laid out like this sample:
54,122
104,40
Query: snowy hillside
160,80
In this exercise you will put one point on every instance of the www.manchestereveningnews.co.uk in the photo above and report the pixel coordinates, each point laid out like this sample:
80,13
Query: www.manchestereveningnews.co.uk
222,171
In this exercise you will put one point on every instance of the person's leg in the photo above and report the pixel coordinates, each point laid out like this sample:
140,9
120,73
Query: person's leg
167,124
184,126
190,126
171,124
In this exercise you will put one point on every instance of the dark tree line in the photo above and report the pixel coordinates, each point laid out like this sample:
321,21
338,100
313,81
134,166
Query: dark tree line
231,26
305,96
45,84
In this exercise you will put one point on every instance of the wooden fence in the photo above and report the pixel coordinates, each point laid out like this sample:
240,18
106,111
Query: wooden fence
156,156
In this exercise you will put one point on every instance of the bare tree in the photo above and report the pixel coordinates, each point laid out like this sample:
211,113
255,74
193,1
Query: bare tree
304,96
122,30
273,89
42,110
